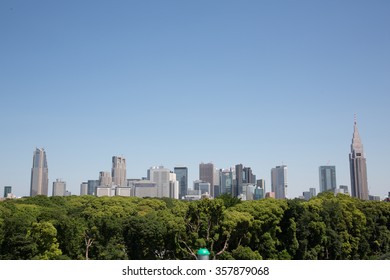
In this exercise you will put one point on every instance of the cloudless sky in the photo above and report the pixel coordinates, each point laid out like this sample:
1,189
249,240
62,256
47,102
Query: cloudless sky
262,83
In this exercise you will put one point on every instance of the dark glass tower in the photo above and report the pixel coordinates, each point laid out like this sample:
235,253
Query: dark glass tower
182,178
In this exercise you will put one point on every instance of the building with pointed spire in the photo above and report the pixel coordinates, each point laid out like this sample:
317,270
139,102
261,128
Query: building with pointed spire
358,168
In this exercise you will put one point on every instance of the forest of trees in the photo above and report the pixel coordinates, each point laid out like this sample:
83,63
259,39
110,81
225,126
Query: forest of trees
115,228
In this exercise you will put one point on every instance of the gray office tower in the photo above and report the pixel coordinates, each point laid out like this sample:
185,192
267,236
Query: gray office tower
358,169
327,178
279,181
118,171
182,177
39,174
206,174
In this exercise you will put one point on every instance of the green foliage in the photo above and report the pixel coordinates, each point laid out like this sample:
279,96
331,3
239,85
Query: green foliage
87,227
229,200
245,253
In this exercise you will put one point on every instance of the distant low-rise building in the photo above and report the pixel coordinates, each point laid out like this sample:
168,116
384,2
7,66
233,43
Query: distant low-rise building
145,188
270,194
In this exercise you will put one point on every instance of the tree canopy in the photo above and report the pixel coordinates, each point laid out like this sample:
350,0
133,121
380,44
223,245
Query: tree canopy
115,228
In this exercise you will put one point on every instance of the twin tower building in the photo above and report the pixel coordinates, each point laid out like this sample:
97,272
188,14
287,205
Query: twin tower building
117,176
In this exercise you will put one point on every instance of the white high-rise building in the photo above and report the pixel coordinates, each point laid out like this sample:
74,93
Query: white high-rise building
39,174
166,183
279,181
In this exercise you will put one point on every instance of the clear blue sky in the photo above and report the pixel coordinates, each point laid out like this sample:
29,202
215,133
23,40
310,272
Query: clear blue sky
182,82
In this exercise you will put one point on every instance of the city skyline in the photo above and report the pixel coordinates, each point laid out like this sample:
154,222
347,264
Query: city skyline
230,180
175,83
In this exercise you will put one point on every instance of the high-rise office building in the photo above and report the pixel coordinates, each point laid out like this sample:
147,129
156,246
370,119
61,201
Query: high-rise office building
206,174
261,183
327,175
59,188
247,176
84,188
358,168
226,181
243,176
39,174
118,171
92,186
105,179
166,183
7,190
237,190
279,181
313,192
182,177
173,186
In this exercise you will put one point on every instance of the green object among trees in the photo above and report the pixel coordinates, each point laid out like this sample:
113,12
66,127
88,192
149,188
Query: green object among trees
203,254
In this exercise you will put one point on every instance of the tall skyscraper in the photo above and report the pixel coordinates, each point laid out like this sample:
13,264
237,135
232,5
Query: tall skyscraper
182,177
279,181
206,174
237,190
118,171
39,174
327,176
358,168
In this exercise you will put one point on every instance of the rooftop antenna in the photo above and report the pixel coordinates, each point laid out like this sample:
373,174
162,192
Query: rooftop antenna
355,118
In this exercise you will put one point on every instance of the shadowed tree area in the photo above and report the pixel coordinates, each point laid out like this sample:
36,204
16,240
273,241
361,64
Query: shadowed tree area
115,228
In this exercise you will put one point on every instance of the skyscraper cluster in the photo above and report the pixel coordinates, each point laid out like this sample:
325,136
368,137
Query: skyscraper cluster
238,181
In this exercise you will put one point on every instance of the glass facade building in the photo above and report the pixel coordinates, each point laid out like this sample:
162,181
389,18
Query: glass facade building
182,177
327,176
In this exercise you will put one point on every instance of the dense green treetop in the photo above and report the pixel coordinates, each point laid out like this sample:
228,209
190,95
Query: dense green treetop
88,227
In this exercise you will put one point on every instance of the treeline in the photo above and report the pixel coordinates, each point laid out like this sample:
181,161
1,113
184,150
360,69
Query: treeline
114,228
